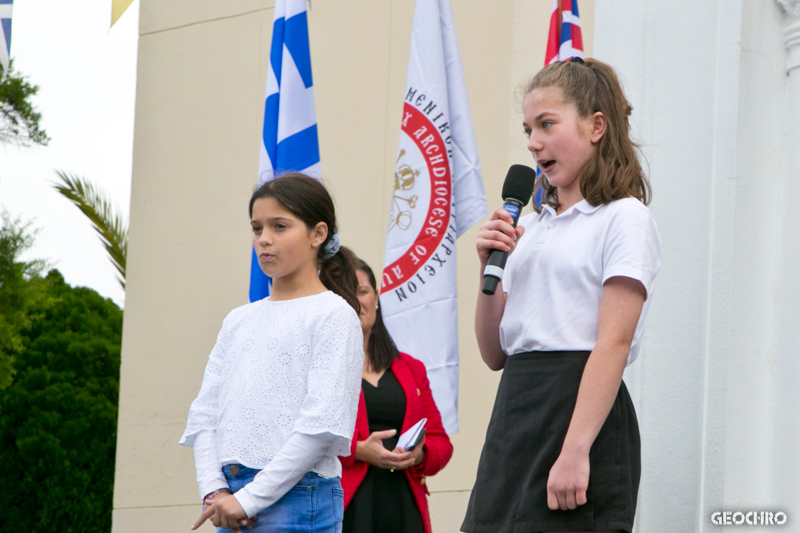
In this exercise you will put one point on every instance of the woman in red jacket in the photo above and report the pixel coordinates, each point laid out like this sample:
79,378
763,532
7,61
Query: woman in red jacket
384,486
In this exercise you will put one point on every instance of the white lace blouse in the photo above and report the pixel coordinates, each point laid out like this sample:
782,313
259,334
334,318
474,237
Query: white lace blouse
278,368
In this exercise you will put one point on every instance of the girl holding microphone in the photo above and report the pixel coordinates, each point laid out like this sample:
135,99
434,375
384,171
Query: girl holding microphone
562,451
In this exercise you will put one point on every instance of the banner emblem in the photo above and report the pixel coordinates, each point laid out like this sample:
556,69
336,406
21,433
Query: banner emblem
426,169
404,180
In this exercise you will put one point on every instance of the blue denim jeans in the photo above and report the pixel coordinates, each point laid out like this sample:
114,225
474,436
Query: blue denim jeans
314,505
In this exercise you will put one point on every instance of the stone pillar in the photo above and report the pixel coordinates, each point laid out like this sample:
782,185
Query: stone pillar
786,469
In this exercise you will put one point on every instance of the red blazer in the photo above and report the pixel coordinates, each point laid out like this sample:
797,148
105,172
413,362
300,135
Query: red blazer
411,375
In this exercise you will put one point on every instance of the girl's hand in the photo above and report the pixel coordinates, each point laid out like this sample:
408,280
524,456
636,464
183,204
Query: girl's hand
225,512
373,452
497,233
568,481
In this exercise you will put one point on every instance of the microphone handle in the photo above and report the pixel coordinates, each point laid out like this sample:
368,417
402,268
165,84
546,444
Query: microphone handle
493,272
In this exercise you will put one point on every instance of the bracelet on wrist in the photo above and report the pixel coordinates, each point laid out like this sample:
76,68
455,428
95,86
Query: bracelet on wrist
211,495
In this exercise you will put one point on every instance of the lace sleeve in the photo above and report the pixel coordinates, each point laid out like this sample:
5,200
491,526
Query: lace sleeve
334,379
203,413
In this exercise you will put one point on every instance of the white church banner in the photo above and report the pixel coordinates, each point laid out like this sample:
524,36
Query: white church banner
438,194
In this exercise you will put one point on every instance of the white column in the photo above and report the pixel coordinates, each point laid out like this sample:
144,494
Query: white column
786,469
686,113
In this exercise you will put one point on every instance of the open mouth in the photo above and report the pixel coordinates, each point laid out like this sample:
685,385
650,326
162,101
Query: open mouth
547,164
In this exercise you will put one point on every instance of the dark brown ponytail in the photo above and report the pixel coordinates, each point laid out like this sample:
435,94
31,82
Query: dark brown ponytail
309,200
338,274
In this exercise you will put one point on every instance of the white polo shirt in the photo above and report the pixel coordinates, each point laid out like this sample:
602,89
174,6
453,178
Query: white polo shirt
554,278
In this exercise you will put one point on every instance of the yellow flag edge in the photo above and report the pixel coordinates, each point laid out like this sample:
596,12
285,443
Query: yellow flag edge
118,7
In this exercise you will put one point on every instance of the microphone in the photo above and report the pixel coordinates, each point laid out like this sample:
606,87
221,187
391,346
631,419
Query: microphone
517,190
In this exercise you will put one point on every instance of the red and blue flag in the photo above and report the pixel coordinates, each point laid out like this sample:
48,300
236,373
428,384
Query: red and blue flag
564,41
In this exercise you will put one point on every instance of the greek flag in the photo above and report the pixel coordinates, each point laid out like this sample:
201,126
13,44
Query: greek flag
5,34
289,139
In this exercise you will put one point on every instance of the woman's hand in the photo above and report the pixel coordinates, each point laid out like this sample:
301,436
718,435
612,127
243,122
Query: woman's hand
224,511
568,481
373,452
417,452
497,233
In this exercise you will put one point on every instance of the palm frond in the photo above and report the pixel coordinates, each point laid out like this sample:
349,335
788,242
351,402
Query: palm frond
110,226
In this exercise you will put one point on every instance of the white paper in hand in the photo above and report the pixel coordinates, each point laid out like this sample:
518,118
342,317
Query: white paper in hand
409,438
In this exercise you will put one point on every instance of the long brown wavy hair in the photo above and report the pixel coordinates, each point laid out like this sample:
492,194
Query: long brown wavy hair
614,171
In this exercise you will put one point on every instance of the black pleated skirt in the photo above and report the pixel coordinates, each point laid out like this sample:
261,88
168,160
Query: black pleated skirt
532,412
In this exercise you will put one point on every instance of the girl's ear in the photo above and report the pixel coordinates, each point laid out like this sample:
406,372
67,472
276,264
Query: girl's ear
599,126
319,234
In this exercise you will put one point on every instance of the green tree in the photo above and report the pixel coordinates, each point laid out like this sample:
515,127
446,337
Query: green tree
58,417
19,293
19,121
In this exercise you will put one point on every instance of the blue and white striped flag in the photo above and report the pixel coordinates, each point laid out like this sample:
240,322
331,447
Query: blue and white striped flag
5,34
289,139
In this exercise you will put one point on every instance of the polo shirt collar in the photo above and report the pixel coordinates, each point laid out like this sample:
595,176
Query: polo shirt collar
583,206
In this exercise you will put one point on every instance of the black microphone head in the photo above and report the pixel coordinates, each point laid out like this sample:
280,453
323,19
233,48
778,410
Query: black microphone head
519,183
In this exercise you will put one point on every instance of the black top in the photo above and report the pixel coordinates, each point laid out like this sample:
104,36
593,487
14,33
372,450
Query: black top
383,502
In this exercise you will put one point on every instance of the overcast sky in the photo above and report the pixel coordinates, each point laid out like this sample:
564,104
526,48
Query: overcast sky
86,75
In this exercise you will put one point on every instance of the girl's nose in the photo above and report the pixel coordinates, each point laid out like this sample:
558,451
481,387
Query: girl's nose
263,239
534,143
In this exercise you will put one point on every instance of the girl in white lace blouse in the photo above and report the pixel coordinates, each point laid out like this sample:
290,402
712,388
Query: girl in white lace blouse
280,392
